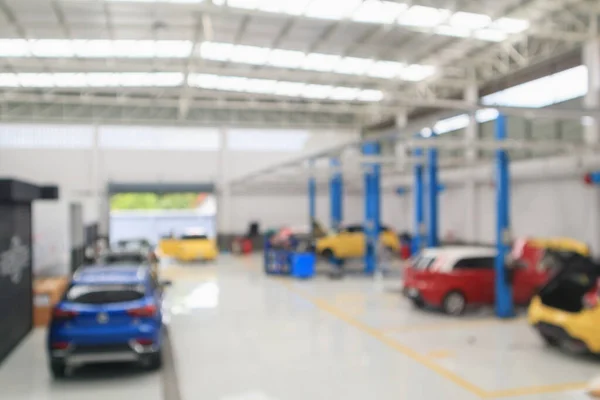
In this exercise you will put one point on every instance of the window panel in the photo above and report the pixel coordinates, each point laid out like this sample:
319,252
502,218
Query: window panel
267,140
38,136
159,138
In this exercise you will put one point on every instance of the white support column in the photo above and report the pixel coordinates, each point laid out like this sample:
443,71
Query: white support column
223,189
471,95
591,127
591,59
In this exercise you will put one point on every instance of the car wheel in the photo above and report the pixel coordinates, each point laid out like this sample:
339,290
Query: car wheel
549,340
152,362
58,369
454,303
327,254
418,303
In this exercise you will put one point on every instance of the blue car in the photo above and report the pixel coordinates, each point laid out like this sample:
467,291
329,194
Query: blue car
108,314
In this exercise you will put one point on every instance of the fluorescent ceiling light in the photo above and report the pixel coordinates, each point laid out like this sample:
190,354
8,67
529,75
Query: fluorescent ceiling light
173,48
289,88
250,54
370,95
232,83
385,69
265,86
317,91
14,48
416,72
447,30
51,48
423,16
511,25
469,20
353,65
379,12
70,80
247,4
28,80
344,93
286,58
320,62
216,51
490,35
331,9
9,80
103,79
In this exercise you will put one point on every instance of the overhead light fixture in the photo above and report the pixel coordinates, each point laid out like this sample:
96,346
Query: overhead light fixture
286,58
447,30
14,48
370,95
264,86
385,69
378,12
205,81
510,25
51,48
469,20
344,93
490,35
103,79
422,16
289,88
216,51
312,91
250,54
353,65
32,80
416,72
331,9
232,83
9,80
320,62
70,80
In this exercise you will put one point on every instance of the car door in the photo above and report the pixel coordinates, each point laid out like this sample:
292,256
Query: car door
353,241
474,277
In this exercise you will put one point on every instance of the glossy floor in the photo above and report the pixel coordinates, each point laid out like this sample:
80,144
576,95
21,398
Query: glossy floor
238,335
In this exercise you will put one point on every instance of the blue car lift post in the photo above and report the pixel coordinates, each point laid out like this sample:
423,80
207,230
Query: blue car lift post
432,198
419,205
372,206
504,299
336,194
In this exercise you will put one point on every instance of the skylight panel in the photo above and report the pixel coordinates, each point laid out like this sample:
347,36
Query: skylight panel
250,54
447,30
370,95
422,16
378,12
173,48
416,72
286,58
331,9
216,51
490,35
205,81
14,48
232,83
103,79
344,93
320,62
469,20
9,80
385,69
317,91
511,25
32,80
133,48
353,65
93,48
291,7
264,86
51,48
289,88
247,4
70,80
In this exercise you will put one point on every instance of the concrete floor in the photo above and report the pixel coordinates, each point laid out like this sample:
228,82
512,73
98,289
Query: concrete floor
238,335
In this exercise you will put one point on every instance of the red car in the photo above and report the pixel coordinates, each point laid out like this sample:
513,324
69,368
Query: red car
452,277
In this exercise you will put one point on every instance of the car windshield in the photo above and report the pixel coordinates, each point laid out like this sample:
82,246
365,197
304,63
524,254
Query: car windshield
104,294
423,263
112,259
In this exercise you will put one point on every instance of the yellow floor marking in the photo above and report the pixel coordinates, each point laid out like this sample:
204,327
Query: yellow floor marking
390,342
427,362
437,326
440,354
536,390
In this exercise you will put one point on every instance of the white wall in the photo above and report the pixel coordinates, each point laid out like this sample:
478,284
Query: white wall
64,155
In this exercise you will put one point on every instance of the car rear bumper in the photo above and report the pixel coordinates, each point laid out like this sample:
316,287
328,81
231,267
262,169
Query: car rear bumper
125,352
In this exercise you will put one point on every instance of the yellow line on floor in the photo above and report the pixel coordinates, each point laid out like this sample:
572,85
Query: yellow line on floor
452,325
536,390
390,342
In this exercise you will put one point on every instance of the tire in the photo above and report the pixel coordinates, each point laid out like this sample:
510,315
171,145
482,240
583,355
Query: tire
327,254
152,362
58,369
454,303
418,303
549,340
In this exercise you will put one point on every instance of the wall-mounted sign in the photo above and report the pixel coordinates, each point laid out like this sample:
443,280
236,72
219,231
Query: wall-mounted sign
14,261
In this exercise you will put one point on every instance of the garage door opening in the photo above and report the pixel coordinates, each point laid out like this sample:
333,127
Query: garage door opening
152,216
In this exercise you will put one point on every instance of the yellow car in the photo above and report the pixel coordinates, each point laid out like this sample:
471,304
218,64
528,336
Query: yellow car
189,248
350,242
566,312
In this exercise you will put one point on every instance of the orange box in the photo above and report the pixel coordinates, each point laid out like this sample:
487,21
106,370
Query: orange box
47,292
